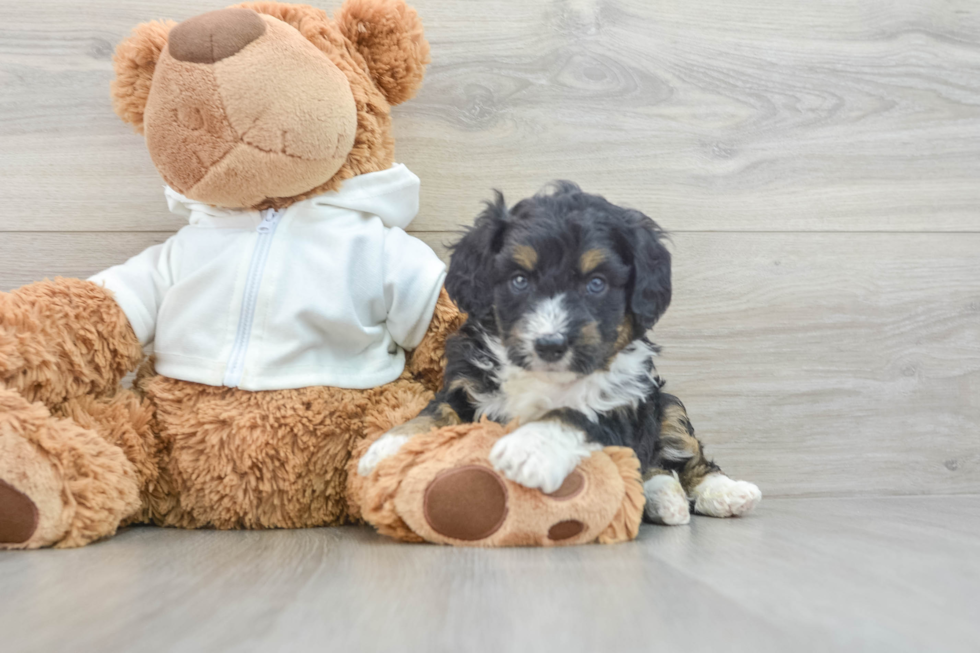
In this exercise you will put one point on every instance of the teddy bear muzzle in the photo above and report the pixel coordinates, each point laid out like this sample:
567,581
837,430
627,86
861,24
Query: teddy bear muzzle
215,35
225,127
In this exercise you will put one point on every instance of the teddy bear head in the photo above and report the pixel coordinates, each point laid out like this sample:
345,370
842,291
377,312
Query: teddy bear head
264,104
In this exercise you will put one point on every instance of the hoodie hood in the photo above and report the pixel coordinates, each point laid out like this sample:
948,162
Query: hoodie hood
392,195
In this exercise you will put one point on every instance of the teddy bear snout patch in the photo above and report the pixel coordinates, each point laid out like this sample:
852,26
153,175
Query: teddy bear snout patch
214,36
225,127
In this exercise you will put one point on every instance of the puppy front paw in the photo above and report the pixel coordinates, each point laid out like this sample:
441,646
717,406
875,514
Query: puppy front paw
385,446
719,496
540,454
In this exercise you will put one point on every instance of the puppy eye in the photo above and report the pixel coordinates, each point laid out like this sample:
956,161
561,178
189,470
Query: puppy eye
519,283
596,285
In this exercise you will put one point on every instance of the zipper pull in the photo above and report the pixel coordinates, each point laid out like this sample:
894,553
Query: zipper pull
268,221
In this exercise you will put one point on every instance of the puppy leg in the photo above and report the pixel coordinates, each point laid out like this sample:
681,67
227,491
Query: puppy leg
667,502
714,493
436,415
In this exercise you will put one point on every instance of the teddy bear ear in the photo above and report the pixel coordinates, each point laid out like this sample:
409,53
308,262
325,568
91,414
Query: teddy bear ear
134,62
388,34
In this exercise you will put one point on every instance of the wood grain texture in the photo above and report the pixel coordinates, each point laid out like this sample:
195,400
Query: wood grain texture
859,574
713,115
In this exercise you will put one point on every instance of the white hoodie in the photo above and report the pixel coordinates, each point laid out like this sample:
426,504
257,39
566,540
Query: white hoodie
329,291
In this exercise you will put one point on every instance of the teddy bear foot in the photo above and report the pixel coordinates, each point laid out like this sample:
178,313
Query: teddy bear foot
32,510
61,485
469,503
441,488
18,515
466,503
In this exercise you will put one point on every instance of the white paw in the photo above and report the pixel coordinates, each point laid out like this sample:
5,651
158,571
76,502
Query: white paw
385,446
540,454
719,496
667,503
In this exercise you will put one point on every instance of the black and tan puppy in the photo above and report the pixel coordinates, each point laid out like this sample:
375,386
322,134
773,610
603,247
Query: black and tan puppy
560,292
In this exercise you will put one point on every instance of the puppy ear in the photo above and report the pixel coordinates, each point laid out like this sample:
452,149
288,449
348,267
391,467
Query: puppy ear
134,62
650,289
388,34
469,281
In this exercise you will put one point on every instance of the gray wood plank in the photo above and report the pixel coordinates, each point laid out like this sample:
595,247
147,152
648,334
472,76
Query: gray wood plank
812,364
798,575
718,115
837,363
30,256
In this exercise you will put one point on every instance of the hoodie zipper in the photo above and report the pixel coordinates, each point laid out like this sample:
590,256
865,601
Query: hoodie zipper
236,362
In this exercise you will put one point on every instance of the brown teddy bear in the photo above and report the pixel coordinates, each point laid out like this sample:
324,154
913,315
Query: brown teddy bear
280,316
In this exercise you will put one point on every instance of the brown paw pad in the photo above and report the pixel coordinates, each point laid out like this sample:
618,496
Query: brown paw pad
564,530
18,515
572,486
467,503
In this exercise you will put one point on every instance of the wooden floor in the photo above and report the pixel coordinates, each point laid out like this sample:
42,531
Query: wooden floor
890,574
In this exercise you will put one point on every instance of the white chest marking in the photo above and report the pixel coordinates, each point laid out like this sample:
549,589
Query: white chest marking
528,395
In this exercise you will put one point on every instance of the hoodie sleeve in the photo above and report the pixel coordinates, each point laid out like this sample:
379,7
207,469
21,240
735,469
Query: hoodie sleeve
412,280
139,286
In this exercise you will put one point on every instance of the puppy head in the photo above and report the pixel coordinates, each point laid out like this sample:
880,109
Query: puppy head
565,279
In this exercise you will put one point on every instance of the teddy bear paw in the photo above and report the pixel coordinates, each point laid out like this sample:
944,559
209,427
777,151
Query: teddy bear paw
471,503
18,516
467,503
385,446
32,510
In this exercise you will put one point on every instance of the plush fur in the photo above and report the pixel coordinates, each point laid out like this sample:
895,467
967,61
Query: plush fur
560,292
607,509
183,454
64,339
59,464
376,45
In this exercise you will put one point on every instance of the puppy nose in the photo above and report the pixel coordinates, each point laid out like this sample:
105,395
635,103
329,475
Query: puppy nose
215,35
550,348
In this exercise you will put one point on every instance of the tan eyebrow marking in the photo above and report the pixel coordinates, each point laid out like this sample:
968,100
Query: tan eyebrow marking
590,334
625,333
525,256
591,260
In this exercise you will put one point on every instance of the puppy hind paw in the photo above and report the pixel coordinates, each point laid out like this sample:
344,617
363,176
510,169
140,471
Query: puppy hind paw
384,447
720,496
667,502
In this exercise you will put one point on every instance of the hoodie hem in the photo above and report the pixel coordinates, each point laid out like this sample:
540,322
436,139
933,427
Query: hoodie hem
212,373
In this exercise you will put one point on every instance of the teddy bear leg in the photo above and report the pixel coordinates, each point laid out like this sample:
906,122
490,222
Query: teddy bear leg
600,501
61,484
390,405
440,487
126,421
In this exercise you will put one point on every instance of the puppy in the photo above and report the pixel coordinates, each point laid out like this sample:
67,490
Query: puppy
560,292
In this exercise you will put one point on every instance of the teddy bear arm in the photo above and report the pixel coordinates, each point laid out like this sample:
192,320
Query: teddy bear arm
428,361
64,339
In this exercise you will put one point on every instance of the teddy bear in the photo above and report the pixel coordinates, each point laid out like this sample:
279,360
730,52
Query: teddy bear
292,321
